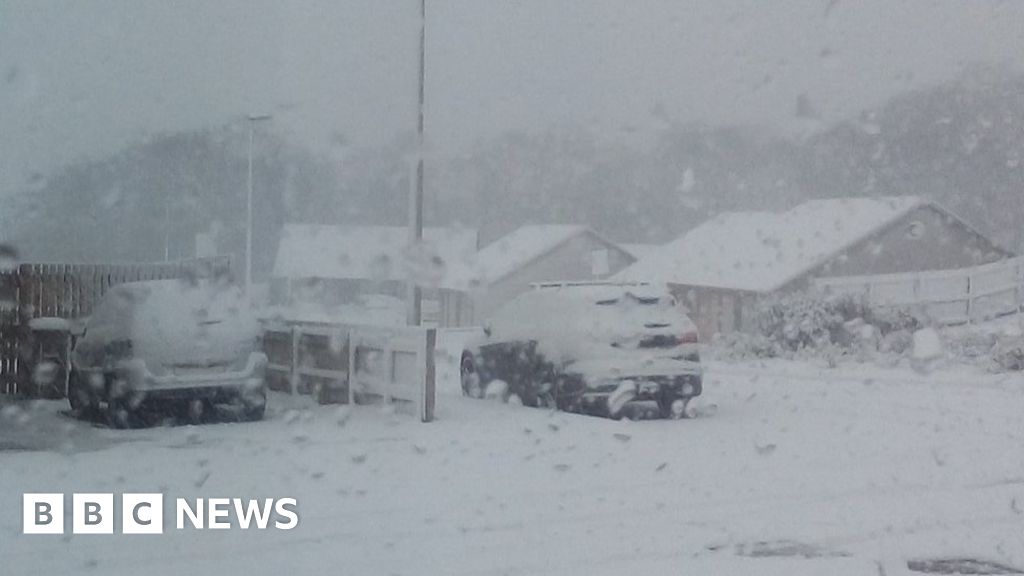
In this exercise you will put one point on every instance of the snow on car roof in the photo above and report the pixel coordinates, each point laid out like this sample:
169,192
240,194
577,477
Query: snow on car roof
575,321
762,251
362,252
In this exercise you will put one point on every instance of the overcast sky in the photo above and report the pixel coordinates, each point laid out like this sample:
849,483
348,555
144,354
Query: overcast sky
84,78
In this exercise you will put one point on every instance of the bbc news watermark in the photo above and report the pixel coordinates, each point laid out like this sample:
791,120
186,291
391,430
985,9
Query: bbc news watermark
143,513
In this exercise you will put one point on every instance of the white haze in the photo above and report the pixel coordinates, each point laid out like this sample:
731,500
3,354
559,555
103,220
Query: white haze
86,78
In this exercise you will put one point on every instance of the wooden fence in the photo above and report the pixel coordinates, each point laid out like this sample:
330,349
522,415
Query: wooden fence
342,363
946,296
68,291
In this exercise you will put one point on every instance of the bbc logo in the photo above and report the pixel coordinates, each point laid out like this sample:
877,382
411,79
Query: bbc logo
93,513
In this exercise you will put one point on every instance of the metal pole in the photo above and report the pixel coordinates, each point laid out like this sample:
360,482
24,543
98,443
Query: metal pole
416,202
167,230
248,216
248,204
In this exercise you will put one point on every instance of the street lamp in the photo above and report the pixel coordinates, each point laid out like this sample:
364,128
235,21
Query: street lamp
248,202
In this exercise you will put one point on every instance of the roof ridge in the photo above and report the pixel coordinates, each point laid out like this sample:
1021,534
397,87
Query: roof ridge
762,251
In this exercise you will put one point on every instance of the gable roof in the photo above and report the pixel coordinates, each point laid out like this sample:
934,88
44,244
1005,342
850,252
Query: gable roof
515,250
364,252
640,250
763,251
521,246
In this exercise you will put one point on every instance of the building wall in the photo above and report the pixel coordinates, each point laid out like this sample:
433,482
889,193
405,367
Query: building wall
925,239
715,310
570,261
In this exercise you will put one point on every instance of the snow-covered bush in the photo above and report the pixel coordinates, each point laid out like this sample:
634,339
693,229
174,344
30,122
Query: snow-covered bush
890,319
1008,352
971,346
797,321
899,342
807,324
811,326
740,345
997,346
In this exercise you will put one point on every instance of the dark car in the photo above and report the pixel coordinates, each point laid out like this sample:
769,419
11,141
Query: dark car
605,349
168,342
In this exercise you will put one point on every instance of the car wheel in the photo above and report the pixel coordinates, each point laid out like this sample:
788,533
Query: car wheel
546,400
48,378
675,408
198,411
83,401
568,394
469,377
254,404
121,413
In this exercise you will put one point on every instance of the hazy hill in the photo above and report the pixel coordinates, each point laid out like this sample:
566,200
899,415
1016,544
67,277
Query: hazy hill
960,143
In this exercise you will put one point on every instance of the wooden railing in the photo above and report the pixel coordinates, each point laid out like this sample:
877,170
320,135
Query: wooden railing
347,363
947,296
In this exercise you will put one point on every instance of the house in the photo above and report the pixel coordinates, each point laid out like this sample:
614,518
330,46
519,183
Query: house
530,254
723,266
333,266
639,251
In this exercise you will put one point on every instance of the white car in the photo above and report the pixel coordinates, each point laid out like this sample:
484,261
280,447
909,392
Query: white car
155,342
606,349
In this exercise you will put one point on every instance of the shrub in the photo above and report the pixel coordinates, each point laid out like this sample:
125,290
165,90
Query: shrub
807,324
739,345
1008,353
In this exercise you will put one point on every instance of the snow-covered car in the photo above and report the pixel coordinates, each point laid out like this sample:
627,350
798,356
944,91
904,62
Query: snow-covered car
605,349
163,341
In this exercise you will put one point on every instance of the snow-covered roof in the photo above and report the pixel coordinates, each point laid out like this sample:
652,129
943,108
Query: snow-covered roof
640,250
511,252
762,251
366,252
522,246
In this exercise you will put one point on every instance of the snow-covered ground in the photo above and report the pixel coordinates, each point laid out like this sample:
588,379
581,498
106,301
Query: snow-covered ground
788,469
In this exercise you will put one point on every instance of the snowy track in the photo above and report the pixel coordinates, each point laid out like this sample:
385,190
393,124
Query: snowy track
786,474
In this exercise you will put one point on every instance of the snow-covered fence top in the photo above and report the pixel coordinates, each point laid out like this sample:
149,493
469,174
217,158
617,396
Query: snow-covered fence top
349,363
69,291
945,296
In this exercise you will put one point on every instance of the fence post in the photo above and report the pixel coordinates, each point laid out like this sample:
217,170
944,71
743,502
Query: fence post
429,384
389,367
351,366
293,377
1020,285
970,297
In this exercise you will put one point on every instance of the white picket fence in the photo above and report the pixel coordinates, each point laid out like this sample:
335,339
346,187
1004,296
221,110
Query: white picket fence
946,296
345,363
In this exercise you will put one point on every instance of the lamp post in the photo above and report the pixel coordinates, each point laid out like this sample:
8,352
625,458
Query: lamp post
416,191
248,202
